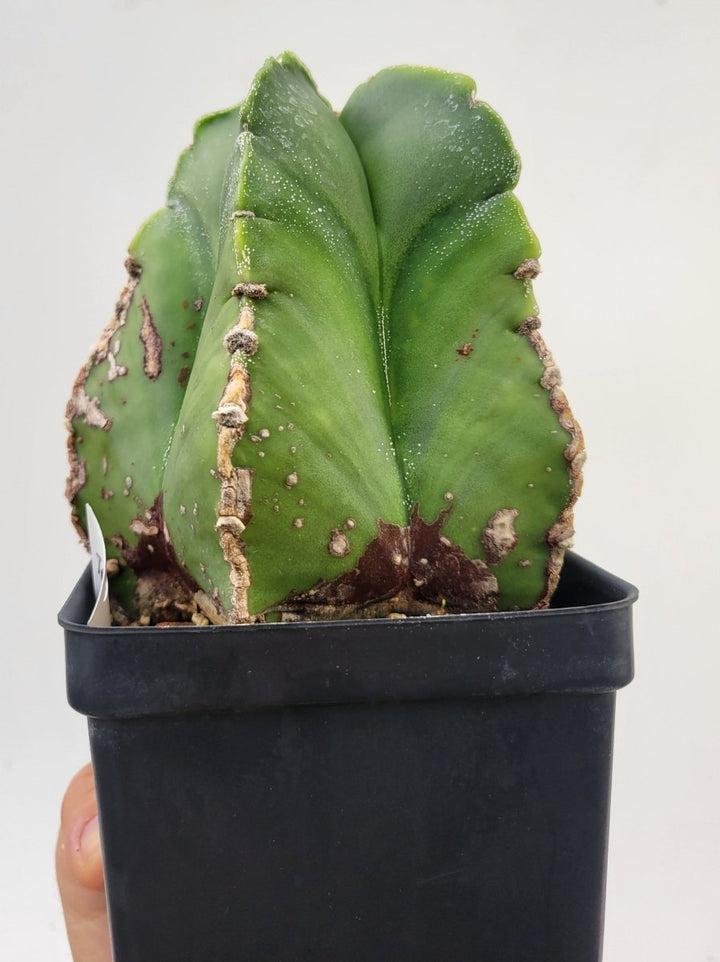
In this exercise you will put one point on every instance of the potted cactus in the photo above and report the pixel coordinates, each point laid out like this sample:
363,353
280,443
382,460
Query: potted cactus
323,429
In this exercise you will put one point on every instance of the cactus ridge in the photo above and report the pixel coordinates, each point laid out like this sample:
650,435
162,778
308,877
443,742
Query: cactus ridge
333,325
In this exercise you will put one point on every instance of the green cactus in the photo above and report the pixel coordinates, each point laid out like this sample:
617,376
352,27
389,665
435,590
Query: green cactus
323,392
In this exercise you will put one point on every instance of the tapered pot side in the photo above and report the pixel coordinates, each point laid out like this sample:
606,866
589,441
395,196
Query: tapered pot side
404,789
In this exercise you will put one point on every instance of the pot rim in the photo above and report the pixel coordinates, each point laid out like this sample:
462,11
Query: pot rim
611,594
131,672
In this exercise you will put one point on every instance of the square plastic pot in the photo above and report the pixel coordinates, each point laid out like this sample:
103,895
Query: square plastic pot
407,790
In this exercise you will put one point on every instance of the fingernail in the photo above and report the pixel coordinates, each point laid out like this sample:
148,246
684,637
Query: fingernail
89,843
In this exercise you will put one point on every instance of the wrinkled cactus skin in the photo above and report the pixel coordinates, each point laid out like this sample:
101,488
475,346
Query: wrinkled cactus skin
324,392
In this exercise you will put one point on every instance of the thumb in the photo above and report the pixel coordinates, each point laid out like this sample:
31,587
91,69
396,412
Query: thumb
78,862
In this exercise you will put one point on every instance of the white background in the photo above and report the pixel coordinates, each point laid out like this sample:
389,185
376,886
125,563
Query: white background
615,109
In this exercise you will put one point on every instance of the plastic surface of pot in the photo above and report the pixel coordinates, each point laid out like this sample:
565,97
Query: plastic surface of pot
404,790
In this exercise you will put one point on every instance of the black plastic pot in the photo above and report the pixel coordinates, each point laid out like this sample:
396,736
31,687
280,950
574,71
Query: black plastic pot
418,790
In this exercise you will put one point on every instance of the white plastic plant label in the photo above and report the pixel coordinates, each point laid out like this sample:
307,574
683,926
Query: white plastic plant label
100,616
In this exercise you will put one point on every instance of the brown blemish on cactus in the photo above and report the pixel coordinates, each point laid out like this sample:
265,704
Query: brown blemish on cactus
531,323
152,343
115,369
86,409
233,552
235,398
232,415
499,537
528,270
466,350
338,545
80,406
183,376
142,528
197,304
231,523
236,496
247,289
103,346
411,570
76,480
234,509
559,538
242,340
559,535
551,378
243,327
165,592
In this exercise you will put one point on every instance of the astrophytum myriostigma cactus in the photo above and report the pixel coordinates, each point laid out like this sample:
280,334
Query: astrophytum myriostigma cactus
323,392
